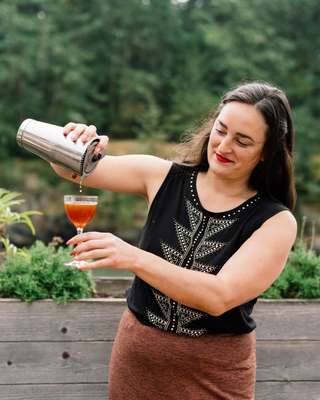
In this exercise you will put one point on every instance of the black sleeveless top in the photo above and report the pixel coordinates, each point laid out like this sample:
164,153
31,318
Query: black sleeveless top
184,233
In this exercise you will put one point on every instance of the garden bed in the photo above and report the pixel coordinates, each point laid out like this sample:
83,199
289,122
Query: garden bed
62,351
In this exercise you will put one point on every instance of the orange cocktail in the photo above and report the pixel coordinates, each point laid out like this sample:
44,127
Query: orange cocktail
80,213
80,209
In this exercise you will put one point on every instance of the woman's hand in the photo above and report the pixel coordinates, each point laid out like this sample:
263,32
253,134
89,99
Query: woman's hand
87,133
107,251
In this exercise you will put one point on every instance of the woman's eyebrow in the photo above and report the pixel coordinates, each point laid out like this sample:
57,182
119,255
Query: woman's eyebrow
238,133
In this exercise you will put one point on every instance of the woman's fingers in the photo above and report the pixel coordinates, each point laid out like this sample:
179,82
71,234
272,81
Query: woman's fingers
78,131
68,128
107,250
96,264
86,132
89,133
89,245
93,254
83,237
102,145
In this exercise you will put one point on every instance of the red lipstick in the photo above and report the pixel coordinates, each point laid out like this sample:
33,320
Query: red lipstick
222,159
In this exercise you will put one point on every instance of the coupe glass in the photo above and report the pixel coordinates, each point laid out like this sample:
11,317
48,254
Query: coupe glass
80,211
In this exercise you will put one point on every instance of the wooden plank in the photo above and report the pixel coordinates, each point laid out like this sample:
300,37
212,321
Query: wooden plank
88,362
287,391
54,392
264,391
57,362
92,319
45,320
288,361
287,319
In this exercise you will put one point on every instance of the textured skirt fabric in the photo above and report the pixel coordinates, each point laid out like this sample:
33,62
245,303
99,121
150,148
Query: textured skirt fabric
150,364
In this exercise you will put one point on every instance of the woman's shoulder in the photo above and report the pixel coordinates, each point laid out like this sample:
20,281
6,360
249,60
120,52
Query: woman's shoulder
271,211
184,169
168,174
284,218
268,205
280,230
279,214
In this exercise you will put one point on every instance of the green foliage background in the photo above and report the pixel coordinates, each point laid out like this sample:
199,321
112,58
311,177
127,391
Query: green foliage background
147,70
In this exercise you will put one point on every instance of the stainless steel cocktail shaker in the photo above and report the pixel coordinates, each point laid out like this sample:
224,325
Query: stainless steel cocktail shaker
48,142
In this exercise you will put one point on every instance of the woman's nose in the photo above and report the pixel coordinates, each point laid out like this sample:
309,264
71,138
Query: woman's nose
224,145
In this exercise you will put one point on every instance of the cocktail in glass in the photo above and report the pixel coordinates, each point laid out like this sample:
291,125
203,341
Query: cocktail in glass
80,211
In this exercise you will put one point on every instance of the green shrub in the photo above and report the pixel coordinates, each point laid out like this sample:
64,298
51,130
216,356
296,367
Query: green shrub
8,217
301,277
42,275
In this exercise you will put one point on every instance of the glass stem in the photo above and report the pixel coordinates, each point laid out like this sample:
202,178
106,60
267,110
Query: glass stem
79,231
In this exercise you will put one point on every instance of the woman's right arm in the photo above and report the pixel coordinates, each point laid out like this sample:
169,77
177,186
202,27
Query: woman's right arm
136,174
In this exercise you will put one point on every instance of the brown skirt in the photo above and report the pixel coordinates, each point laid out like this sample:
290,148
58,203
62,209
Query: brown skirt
150,364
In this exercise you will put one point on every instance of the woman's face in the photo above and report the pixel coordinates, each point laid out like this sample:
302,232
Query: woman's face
236,141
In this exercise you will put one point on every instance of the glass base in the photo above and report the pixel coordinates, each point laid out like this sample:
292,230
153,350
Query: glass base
75,264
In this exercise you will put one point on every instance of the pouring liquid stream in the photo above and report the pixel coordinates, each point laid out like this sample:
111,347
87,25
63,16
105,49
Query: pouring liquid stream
80,184
74,176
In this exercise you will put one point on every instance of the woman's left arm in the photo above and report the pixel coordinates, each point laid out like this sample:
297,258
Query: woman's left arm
248,273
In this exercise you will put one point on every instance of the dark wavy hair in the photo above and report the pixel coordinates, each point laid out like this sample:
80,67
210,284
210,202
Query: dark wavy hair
274,175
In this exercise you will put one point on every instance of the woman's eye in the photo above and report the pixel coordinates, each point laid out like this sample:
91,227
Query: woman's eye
242,144
238,141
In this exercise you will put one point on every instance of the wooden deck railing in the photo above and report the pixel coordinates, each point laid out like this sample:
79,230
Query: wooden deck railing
61,352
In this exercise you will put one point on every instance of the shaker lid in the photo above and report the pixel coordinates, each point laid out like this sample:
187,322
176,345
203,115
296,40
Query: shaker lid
89,160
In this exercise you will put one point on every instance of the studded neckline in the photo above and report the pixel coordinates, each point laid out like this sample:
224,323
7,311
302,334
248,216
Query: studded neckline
224,214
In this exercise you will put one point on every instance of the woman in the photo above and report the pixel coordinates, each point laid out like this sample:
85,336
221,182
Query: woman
218,234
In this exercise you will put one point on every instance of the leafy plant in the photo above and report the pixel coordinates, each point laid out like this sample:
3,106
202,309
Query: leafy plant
300,278
8,217
43,275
